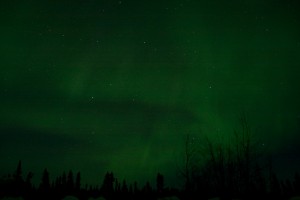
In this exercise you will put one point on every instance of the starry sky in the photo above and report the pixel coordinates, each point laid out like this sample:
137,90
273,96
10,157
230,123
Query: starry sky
98,85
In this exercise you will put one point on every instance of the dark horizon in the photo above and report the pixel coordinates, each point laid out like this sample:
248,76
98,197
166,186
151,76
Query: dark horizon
234,171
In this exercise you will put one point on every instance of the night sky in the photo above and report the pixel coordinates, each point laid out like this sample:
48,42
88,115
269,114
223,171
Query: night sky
108,85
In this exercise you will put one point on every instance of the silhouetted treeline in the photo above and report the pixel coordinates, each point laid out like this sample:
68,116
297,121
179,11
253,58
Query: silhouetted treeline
226,170
69,184
217,179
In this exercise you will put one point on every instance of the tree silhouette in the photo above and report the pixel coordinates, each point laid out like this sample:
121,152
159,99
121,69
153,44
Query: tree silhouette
190,167
228,169
107,188
296,183
28,178
258,186
135,188
28,188
64,180
70,182
287,189
147,188
275,189
45,183
160,184
18,184
117,186
18,173
78,181
124,187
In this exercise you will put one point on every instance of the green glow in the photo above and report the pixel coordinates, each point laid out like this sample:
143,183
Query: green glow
109,82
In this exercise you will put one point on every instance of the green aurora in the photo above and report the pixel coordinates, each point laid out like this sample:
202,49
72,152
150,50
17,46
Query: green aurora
107,85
